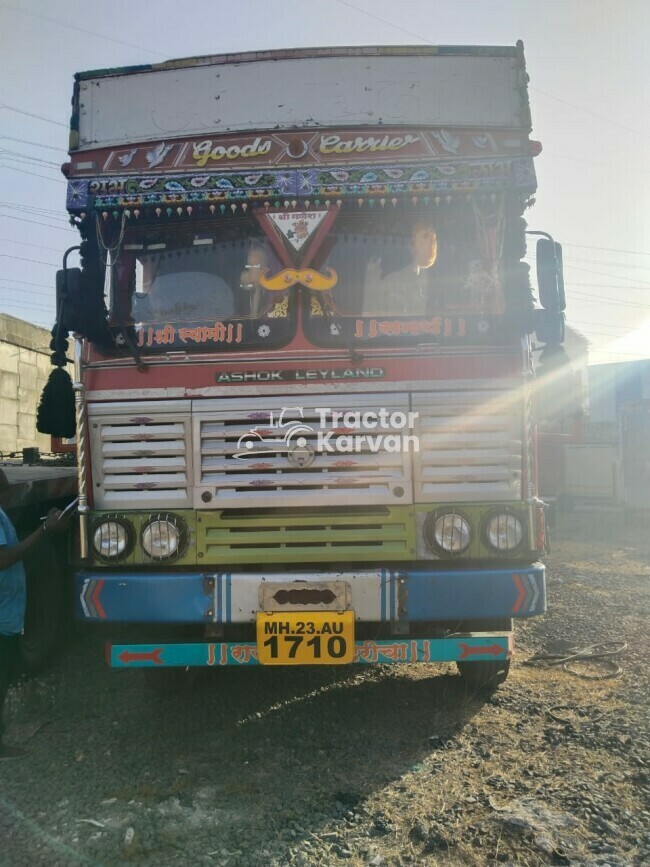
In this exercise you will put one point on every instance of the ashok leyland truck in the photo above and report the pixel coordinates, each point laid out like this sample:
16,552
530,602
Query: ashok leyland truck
303,357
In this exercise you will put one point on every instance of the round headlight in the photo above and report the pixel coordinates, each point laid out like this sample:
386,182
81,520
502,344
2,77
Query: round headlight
504,531
110,539
449,532
161,538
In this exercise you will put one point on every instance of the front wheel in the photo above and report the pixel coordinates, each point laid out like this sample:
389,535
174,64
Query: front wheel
45,608
484,676
169,680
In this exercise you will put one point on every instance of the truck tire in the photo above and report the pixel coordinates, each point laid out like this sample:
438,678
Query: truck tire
169,680
484,676
45,609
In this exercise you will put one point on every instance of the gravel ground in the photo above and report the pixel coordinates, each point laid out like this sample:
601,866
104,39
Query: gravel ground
383,766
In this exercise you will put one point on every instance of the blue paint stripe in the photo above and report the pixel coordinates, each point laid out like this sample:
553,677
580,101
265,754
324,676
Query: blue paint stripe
218,594
393,588
382,598
228,598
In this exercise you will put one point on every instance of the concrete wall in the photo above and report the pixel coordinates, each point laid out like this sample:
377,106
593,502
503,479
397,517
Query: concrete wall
24,369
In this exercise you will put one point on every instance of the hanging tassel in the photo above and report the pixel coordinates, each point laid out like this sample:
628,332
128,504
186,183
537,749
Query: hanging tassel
56,412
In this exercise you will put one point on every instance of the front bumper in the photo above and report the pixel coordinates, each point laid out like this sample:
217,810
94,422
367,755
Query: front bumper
376,596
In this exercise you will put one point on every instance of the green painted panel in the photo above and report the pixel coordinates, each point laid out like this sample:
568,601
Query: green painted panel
217,538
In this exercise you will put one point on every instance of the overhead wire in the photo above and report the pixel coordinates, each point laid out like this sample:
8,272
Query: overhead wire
25,282
535,89
23,259
31,114
28,244
33,174
15,155
37,144
84,30
39,223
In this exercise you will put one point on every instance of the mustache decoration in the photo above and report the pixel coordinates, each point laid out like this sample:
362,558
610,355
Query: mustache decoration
306,276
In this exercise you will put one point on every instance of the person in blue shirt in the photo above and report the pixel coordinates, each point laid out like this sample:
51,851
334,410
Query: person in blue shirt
12,600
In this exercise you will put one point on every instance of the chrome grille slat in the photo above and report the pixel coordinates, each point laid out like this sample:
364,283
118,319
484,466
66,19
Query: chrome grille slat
141,459
470,445
267,476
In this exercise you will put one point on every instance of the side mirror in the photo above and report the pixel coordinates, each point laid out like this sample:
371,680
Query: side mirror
68,284
550,276
549,326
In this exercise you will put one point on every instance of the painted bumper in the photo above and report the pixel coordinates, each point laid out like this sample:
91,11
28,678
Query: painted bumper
377,596
473,647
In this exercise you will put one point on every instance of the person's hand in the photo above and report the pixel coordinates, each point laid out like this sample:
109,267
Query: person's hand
54,523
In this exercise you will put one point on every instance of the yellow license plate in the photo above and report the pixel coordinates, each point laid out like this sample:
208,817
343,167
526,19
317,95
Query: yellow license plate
305,638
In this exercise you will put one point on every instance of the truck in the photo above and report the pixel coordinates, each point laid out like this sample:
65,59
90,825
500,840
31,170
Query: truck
303,358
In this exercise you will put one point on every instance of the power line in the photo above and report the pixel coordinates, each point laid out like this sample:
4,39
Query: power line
25,282
536,89
49,294
33,174
33,261
31,208
599,262
16,155
30,114
20,304
641,288
588,111
37,144
82,30
609,166
609,249
604,299
28,244
47,225
626,328
607,264
644,287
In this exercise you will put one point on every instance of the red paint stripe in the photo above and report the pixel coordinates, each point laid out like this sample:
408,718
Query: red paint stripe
95,598
522,593
195,376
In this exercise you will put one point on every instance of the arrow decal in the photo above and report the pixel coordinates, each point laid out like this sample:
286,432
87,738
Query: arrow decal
128,656
89,598
480,650
522,593
528,593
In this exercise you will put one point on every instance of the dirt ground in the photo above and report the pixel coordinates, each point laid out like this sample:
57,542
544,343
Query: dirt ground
379,766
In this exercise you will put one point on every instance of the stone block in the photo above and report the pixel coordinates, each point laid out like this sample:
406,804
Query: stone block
8,437
9,384
27,428
27,374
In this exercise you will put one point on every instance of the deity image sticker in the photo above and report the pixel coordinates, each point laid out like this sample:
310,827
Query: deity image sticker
297,227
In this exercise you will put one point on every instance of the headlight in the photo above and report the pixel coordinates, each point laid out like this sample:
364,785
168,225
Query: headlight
449,532
161,538
504,531
111,538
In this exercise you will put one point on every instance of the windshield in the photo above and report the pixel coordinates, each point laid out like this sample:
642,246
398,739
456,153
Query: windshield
393,265
194,289
392,268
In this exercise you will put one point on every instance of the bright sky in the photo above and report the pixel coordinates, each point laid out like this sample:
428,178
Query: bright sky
590,92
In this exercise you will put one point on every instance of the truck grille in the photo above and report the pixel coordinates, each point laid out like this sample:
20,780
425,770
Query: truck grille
140,460
305,535
267,472
470,445
184,454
